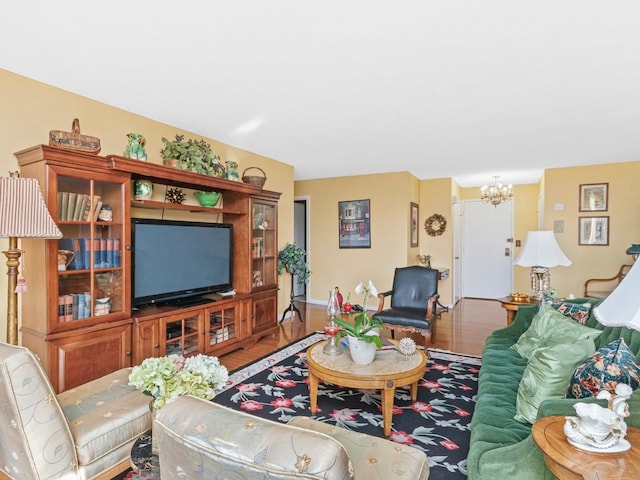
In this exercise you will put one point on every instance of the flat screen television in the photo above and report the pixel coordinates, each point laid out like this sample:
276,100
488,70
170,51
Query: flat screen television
178,261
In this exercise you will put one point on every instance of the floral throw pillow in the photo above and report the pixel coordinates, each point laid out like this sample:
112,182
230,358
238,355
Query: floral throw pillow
578,311
612,364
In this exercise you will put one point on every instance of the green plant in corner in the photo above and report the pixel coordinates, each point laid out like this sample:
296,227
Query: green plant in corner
364,327
194,155
293,259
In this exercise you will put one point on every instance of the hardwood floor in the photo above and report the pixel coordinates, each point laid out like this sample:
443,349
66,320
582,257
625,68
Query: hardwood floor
462,329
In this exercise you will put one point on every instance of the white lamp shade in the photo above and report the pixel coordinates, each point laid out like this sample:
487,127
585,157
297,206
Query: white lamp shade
541,250
622,307
23,212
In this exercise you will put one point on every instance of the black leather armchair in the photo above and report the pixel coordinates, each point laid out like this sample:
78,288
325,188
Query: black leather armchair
414,297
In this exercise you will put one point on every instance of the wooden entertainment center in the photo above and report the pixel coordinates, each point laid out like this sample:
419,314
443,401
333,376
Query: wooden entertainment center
79,320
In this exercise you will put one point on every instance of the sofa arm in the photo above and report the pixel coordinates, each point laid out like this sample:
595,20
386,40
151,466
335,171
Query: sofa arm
199,439
564,406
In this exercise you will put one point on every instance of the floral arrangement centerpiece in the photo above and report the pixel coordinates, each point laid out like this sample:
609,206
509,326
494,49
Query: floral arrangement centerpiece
165,378
364,327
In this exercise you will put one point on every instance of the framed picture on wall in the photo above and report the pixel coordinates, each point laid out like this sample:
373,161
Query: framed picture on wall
354,224
594,197
594,231
413,225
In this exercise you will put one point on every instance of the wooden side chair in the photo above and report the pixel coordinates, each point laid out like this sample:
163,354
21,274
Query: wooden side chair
414,297
602,287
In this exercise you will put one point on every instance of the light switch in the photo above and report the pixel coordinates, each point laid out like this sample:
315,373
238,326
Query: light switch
558,207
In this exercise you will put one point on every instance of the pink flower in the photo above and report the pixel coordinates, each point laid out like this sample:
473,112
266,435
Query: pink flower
251,406
401,437
282,402
248,387
344,415
431,385
421,407
279,369
449,445
439,366
285,383
461,413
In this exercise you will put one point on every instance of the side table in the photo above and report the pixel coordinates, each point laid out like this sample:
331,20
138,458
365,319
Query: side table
388,371
512,307
567,462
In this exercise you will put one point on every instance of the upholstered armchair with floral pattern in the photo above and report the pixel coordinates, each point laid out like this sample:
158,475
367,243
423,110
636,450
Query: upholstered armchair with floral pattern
199,439
83,433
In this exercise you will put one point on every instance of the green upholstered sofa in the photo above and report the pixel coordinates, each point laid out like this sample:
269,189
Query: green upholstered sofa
502,447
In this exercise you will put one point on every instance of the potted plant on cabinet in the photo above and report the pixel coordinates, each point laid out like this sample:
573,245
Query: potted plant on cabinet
192,155
293,259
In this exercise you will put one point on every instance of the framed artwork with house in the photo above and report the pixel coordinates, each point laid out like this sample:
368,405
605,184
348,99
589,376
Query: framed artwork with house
354,224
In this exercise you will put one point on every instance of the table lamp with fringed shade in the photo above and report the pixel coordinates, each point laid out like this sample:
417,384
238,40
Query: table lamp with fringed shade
23,213
541,252
622,307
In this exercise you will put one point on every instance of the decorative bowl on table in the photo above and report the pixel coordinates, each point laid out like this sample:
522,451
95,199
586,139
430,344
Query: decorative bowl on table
519,297
207,199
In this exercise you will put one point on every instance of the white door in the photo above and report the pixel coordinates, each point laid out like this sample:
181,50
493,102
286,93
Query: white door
457,247
487,249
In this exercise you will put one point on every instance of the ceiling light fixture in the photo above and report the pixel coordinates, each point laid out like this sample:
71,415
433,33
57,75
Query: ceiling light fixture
496,193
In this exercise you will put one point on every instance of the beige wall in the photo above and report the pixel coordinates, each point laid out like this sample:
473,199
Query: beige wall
562,187
31,109
390,195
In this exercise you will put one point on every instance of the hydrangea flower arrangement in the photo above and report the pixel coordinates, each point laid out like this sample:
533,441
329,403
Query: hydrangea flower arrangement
165,378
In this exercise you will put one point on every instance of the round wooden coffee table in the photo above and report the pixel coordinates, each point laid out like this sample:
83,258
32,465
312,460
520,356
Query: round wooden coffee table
567,462
389,370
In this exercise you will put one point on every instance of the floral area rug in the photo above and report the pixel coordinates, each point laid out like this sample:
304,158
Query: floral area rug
276,387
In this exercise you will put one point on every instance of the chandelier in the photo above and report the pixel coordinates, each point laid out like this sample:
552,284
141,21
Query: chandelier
496,193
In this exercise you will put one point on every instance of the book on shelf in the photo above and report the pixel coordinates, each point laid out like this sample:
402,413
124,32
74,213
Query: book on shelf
71,205
61,308
96,207
68,308
77,209
86,211
116,252
63,207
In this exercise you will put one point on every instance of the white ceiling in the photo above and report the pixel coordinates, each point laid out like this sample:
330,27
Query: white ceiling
460,88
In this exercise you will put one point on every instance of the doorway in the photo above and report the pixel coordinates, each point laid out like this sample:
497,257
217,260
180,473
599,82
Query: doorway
487,249
300,238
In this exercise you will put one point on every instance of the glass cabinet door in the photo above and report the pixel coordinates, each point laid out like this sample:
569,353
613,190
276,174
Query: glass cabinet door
264,255
90,255
182,334
221,326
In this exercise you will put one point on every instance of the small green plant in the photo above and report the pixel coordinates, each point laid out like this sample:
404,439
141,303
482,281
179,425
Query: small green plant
364,327
194,155
293,259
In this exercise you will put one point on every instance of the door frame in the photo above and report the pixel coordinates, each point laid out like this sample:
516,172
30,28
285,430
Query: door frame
304,231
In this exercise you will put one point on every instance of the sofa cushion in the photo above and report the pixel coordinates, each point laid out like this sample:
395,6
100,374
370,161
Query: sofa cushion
105,414
547,375
612,364
199,439
549,327
577,311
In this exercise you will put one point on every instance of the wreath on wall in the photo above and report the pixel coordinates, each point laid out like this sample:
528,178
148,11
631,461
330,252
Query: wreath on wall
435,225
